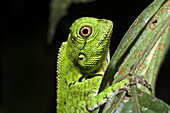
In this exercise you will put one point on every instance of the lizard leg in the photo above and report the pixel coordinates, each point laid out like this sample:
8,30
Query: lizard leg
95,100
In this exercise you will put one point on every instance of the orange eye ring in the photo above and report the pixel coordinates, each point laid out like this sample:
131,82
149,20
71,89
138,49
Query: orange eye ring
85,31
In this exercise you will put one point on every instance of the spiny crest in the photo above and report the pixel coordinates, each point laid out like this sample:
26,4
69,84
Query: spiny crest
60,57
59,64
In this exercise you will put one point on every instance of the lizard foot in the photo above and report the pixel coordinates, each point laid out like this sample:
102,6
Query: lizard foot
140,79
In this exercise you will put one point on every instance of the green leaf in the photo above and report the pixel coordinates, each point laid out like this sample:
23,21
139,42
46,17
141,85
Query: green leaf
128,41
148,104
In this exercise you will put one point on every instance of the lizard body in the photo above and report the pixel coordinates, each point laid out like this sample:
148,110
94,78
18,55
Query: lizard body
82,61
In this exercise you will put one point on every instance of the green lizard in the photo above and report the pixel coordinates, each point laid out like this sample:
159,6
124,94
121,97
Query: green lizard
82,62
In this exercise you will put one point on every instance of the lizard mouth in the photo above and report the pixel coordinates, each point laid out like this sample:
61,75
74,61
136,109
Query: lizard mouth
108,33
109,29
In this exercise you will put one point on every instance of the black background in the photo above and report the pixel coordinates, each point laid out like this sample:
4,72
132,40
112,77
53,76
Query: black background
28,63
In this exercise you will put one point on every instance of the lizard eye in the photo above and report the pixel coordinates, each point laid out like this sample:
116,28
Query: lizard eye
85,31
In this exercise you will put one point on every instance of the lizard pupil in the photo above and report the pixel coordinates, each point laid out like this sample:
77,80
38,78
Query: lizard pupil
85,31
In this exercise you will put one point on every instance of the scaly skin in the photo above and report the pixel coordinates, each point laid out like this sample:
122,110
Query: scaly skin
82,61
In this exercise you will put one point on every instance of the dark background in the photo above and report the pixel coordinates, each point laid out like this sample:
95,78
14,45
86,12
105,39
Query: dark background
28,63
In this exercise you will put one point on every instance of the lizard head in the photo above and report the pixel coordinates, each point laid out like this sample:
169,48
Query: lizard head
88,42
